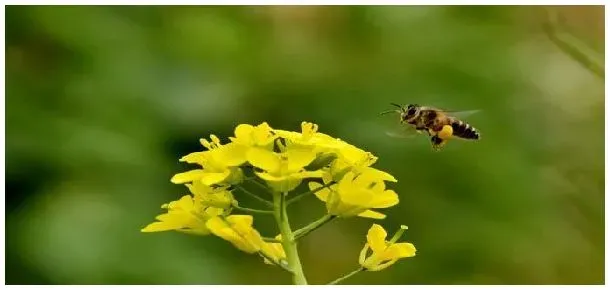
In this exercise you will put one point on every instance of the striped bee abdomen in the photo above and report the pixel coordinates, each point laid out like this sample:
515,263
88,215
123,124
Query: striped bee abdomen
464,130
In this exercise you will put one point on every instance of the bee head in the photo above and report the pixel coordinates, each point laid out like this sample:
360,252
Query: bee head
406,112
411,110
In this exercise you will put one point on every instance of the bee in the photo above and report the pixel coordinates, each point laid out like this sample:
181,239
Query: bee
439,124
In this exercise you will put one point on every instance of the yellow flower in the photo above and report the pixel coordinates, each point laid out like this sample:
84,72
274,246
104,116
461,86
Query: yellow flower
310,137
216,197
356,195
283,171
385,253
250,136
274,250
324,146
184,215
238,230
352,158
220,164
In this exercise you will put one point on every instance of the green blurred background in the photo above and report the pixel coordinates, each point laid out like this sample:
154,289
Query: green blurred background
102,101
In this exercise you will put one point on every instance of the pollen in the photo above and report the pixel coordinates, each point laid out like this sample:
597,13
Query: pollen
446,132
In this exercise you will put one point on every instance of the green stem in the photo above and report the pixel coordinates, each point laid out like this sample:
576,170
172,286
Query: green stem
302,195
312,226
266,202
288,241
252,210
347,276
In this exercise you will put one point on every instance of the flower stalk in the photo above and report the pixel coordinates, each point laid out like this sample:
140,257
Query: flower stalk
288,241
253,195
252,210
347,276
313,226
308,193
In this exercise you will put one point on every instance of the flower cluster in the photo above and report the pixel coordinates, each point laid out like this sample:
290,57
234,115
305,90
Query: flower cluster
336,172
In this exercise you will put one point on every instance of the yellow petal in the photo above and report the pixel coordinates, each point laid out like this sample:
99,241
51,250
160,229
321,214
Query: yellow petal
352,154
246,220
376,238
210,178
195,157
356,196
188,176
321,194
216,224
243,131
281,183
159,227
179,217
288,134
221,199
378,174
379,186
405,250
385,199
264,159
364,180
179,220
213,211
270,177
346,183
297,159
222,229
372,215
198,188
263,134
308,174
231,154
273,250
334,205
184,203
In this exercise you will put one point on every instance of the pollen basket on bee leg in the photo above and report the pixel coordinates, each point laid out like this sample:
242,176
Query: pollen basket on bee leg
446,132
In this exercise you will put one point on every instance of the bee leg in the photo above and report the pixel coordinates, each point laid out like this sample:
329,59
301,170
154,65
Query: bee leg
437,143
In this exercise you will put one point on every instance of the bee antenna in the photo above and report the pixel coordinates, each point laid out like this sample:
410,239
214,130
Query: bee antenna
387,112
396,105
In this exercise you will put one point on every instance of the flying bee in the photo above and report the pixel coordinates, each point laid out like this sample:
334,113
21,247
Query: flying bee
439,124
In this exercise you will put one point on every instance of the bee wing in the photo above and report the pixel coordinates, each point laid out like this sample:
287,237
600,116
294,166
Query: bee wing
461,114
402,131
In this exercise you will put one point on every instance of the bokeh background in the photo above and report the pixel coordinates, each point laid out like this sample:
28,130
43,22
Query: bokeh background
102,101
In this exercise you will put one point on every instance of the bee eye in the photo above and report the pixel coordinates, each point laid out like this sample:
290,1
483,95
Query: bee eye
411,111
